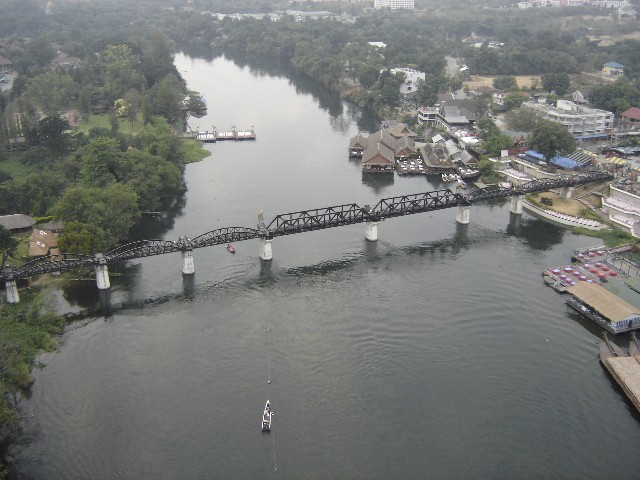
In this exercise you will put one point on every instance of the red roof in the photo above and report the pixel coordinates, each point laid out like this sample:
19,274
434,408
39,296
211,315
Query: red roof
633,113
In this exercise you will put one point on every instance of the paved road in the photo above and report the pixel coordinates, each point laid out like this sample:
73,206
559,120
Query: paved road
452,66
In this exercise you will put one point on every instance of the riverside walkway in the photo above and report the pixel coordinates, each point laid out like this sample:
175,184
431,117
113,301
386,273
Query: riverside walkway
292,223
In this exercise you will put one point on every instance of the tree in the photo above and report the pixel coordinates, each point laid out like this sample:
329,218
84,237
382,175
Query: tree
486,127
551,139
78,237
514,100
505,83
51,92
522,119
153,179
8,245
104,163
114,209
169,95
158,139
368,76
52,134
558,82
123,72
496,143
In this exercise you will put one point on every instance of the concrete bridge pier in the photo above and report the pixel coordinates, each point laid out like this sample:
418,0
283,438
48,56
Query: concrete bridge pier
11,291
266,253
516,204
462,217
371,231
102,273
567,192
188,268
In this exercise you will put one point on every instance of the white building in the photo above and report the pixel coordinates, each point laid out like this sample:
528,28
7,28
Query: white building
412,77
623,208
395,4
579,119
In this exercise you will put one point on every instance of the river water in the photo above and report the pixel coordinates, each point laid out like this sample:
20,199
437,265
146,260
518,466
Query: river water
436,352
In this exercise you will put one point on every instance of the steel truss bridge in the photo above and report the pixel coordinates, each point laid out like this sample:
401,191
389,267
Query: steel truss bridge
298,222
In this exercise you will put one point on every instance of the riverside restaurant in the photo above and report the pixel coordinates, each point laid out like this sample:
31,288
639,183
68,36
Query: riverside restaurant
603,307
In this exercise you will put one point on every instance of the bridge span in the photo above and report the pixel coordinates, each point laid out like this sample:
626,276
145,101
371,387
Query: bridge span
292,223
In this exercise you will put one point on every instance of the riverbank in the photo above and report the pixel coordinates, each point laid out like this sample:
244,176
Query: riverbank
26,330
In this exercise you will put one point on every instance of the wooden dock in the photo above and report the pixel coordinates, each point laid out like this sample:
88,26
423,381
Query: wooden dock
220,135
624,368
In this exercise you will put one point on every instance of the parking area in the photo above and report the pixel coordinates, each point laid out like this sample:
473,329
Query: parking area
6,80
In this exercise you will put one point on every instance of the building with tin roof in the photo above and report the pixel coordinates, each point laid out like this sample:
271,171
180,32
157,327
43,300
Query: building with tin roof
17,223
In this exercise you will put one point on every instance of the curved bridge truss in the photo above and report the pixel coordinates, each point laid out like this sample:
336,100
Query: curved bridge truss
52,263
223,236
298,222
142,248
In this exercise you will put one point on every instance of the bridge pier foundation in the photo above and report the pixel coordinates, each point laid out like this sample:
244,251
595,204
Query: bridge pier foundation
102,277
188,267
371,231
12,291
102,272
516,204
266,252
567,192
462,217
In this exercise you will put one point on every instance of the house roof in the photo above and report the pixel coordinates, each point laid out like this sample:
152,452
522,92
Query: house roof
401,130
17,221
405,144
379,154
65,60
359,141
603,301
614,65
564,162
633,113
382,136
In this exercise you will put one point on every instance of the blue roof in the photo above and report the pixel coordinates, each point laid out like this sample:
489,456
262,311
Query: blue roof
614,65
535,155
564,162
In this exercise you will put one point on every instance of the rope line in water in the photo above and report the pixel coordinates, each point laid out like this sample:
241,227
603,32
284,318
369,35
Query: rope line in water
273,441
269,354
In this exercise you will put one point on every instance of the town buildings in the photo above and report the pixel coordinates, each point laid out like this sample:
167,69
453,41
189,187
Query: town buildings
395,4
574,3
580,120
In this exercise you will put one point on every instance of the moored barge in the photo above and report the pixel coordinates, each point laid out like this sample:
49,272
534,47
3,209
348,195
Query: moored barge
625,369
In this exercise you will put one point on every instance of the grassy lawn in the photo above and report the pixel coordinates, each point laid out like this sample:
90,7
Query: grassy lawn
13,166
194,151
102,121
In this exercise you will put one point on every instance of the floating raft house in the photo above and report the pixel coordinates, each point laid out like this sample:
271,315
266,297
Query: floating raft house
625,369
603,307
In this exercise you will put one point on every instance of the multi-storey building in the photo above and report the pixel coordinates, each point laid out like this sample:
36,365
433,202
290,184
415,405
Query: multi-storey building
579,119
395,4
